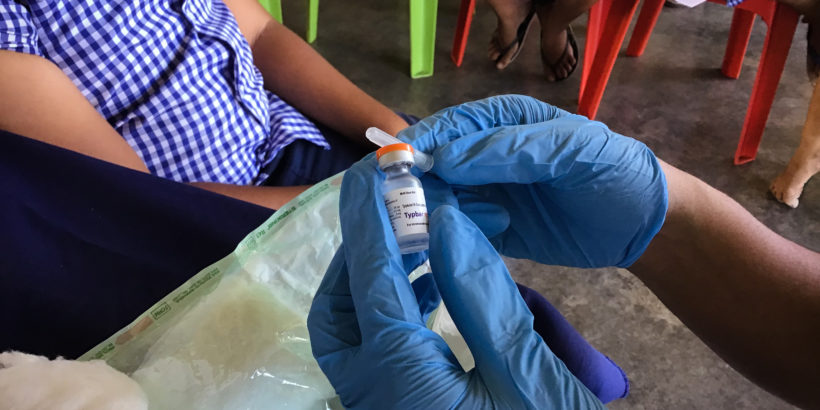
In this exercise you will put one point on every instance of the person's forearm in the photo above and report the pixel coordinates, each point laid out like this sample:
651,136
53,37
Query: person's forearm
273,197
39,101
299,75
748,293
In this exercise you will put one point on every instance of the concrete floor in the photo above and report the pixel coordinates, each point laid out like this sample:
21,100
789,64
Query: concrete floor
675,100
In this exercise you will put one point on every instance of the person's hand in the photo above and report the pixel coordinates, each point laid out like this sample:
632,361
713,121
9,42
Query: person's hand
369,337
544,184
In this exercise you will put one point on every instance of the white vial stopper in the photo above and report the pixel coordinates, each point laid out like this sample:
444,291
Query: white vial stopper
422,160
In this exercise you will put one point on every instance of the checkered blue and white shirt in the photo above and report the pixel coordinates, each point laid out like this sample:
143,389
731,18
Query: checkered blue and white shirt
174,77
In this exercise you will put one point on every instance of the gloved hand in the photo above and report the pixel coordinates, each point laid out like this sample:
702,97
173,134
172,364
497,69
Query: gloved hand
370,340
544,184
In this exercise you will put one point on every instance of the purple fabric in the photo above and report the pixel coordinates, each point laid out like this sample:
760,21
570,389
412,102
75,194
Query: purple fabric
598,372
87,246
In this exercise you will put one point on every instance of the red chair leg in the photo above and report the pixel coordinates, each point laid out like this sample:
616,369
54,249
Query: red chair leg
605,7
742,22
775,50
594,25
617,21
465,18
647,18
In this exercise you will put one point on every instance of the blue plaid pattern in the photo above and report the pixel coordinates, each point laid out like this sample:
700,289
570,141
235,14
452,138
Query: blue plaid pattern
733,3
174,77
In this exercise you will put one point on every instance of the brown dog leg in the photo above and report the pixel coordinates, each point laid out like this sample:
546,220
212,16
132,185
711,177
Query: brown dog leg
805,162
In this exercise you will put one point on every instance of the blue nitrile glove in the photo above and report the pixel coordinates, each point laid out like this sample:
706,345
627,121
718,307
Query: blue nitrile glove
369,337
544,184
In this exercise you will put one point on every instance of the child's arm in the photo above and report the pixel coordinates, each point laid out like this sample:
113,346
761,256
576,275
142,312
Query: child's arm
296,72
40,102
750,294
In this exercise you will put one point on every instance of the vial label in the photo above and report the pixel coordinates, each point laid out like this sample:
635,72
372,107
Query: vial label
407,210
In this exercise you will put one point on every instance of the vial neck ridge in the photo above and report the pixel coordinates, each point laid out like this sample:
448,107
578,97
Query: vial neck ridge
394,168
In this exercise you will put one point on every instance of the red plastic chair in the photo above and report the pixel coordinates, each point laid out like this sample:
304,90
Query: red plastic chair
465,19
610,32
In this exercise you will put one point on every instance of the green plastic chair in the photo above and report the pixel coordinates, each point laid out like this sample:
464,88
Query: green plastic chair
422,37
422,31
274,8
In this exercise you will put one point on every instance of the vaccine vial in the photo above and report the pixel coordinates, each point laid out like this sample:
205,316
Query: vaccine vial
404,198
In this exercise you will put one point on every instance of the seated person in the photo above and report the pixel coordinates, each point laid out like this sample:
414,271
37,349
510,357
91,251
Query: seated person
215,94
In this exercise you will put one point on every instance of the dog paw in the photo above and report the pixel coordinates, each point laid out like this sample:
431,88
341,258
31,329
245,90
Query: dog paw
786,190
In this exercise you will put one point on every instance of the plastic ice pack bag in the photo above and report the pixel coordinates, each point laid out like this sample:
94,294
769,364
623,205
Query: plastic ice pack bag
235,335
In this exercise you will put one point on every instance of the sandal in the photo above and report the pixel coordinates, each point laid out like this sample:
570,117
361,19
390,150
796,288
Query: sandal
520,36
571,45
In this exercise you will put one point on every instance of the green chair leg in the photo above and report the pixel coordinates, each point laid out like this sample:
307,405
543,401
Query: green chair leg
312,20
273,7
422,37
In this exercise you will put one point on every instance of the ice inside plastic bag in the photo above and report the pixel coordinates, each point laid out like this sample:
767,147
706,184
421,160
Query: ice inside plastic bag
235,335
239,348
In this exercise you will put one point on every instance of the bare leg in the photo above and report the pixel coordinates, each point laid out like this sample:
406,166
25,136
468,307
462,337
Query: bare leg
510,13
555,17
805,162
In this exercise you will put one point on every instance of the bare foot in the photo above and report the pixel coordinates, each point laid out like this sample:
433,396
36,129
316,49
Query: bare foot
805,162
557,55
510,13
